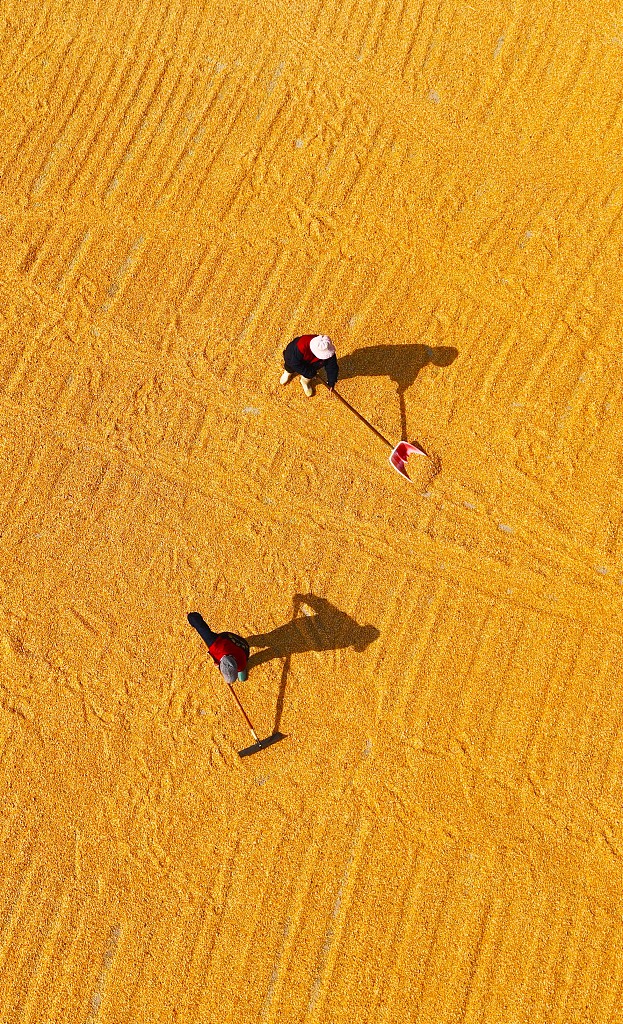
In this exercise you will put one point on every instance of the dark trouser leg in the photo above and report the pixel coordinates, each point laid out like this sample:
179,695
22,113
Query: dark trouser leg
198,622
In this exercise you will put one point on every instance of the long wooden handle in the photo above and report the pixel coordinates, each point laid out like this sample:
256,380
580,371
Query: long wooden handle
235,696
363,419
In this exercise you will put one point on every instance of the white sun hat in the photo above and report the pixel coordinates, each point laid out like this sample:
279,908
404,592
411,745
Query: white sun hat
322,347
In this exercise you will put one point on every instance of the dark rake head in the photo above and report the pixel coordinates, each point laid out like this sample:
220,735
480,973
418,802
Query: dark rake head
256,747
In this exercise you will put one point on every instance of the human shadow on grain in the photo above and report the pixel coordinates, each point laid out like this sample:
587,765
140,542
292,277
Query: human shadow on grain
401,363
328,629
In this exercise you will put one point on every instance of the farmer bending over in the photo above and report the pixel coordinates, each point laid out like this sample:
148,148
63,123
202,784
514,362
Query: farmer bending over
306,355
227,650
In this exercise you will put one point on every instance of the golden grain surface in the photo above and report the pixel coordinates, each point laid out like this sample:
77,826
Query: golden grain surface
184,188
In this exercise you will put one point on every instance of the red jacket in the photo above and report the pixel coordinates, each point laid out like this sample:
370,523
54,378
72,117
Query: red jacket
222,646
302,344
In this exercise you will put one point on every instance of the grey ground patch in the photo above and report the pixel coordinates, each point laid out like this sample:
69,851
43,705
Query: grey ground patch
97,996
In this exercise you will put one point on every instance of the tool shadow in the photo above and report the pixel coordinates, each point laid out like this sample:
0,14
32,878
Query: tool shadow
401,363
327,629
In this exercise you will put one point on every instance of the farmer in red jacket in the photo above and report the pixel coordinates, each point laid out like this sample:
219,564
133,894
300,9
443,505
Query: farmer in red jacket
227,650
306,355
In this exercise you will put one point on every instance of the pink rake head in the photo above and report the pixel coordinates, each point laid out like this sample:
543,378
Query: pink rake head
400,454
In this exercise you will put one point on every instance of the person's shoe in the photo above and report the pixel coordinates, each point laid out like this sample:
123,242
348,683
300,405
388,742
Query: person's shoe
285,377
307,388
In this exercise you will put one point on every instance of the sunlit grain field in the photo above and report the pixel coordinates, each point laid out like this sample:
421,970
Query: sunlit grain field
184,187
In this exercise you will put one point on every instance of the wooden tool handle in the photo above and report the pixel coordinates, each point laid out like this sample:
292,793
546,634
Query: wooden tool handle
363,419
235,696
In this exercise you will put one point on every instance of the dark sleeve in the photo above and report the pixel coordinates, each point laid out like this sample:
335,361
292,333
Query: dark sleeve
332,370
294,362
197,622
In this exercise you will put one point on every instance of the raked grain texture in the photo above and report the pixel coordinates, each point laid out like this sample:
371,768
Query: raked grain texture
183,188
